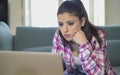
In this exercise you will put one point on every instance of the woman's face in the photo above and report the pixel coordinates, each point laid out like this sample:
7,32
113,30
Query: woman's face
69,25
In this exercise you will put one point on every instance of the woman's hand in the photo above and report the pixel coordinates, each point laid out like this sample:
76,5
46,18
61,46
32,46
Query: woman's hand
80,37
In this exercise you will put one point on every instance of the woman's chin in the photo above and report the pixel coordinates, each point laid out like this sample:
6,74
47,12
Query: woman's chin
68,39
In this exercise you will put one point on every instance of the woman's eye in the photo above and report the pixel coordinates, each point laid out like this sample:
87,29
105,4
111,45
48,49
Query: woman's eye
71,23
60,24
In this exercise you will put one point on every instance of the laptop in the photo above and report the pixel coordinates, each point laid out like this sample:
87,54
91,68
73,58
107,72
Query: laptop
30,63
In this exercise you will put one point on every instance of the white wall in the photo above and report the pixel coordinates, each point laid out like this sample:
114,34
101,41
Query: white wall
15,14
112,12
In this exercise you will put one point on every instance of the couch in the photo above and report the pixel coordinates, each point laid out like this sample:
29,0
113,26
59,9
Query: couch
40,40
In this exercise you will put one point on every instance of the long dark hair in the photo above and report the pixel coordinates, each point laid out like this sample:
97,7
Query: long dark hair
77,8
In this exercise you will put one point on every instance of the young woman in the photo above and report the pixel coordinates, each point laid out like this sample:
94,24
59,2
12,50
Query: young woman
82,45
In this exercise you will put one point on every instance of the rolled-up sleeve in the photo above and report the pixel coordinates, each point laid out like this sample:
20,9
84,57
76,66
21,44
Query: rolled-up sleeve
93,59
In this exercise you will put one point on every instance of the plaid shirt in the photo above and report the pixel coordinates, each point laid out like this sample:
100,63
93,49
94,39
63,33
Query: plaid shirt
93,57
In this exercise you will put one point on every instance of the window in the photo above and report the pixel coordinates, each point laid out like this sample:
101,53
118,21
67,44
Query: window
44,13
99,12
96,11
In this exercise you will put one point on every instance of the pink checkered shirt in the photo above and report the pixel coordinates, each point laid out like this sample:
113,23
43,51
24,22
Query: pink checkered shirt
93,57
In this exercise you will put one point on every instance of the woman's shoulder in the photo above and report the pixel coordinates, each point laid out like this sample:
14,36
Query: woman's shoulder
57,38
101,32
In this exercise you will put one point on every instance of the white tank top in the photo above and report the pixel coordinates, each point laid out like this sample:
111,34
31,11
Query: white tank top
78,63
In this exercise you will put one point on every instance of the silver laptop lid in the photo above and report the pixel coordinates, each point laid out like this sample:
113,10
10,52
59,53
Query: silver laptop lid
30,63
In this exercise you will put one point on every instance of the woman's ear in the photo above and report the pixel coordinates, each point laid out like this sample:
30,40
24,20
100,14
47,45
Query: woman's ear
83,21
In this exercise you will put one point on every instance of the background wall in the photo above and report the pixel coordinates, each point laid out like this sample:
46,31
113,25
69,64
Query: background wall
16,13
112,12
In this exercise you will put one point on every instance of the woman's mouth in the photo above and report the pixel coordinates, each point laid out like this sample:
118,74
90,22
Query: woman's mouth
67,35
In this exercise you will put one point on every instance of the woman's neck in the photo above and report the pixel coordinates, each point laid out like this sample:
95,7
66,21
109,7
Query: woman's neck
74,47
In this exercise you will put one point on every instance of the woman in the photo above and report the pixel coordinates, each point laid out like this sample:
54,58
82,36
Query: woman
82,45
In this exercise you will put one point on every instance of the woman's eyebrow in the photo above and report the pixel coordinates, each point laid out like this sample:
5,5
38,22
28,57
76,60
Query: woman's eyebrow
70,21
59,22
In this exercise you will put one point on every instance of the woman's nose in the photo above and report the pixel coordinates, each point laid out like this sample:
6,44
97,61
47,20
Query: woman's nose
65,29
